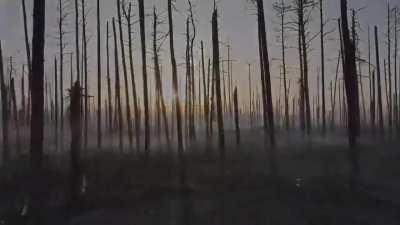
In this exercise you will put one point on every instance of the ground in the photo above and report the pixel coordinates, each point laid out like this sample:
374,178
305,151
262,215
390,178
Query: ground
312,186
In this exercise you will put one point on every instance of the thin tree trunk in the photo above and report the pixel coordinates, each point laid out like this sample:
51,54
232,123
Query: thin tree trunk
134,93
127,101
117,89
99,129
322,69
378,74
110,111
28,58
215,43
76,135
77,41
145,86
158,81
236,112
205,93
15,109
4,109
55,105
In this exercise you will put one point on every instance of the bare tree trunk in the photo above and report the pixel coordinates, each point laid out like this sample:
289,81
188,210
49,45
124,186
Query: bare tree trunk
265,62
350,79
322,69
99,129
36,145
76,135
77,41
144,68
158,81
205,93
28,58
134,93
390,114
182,176
22,116
117,89
55,105
15,109
61,16
127,101
371,86
215,42
4,110
85,76
378,74
396,106
236,112
110,111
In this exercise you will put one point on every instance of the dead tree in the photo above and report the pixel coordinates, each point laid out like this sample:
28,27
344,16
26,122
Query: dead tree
390,114
205,93
145,86
159,89
236,112
77,41
216,68
128,18
117,90
395,101
182,176
4,109
350,79
99,133
85,75
22,116
127,101
371,76
266,77
28,57
281,9
192,128
36,143
55,105
378,80
76,143
322,67
62,16
15,110
110,111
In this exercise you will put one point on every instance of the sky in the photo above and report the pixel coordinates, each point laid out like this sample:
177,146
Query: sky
237,25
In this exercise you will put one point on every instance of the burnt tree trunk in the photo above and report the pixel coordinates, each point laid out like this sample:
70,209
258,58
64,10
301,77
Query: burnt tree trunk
236,113
350,80
76,143
28,58
134,93
110,111
99,129
215,43
159,89
144,68
4,110
117,90
378,80
127,101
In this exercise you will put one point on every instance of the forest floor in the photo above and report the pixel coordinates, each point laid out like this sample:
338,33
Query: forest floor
312,186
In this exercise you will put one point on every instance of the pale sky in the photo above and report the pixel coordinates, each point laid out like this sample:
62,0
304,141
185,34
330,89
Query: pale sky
237,23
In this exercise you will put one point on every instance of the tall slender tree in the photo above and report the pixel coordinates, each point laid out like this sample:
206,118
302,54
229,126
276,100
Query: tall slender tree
4,110
99,129
378,80
145,86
